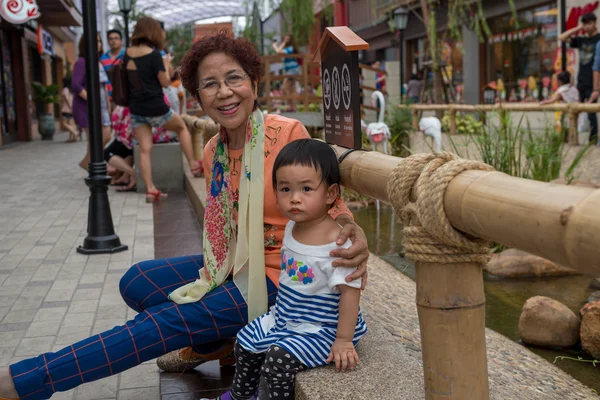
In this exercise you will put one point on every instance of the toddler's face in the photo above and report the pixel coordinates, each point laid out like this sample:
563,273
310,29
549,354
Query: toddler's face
301,195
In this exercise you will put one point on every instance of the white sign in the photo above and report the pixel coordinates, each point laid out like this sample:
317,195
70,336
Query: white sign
346,92
19,11
326,89
45,42
335,79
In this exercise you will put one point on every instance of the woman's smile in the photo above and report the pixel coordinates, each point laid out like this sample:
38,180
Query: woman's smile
229,109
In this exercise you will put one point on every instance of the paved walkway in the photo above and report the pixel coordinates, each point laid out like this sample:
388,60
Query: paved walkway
51,296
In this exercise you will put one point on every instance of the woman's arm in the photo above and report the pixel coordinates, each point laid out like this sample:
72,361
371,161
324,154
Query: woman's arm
78,83
342,350
279,47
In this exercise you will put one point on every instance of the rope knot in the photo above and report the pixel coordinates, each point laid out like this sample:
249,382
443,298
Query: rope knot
416,190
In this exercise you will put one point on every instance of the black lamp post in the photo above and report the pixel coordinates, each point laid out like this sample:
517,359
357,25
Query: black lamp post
125,8
400,21
101,236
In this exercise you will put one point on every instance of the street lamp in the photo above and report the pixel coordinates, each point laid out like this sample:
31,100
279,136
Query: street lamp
125,8
400,21
101,237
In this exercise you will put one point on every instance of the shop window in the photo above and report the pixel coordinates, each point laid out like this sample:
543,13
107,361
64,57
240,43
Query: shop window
523,56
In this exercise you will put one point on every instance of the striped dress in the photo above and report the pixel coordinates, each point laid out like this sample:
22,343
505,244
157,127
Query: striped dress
304,318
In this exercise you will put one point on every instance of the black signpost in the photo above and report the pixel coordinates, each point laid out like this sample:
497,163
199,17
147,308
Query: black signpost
338,53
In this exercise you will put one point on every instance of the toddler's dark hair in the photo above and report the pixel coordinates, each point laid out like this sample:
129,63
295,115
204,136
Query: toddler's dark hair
309,153
564,77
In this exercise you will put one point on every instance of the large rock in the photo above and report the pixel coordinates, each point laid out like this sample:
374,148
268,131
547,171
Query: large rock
590,328
513,263
546,322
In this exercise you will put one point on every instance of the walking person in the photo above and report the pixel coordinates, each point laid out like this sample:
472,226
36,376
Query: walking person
224,74
67,111
327,324
585,77
147,76
80,108
413,89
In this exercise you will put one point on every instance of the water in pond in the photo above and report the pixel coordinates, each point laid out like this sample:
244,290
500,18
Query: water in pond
504,298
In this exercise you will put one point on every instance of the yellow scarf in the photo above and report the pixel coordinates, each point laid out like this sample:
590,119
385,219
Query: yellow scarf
229,248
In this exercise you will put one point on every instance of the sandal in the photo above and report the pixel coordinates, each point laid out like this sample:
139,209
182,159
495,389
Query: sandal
199,170
155,197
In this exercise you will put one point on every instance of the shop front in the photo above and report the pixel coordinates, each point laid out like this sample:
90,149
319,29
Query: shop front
30,52
523,54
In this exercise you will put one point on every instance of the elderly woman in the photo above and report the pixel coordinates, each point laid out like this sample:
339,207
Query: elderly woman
201,301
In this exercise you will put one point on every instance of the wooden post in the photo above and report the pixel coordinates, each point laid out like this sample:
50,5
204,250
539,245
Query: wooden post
268,84
305,81
573,136
451,308
415,119
452,113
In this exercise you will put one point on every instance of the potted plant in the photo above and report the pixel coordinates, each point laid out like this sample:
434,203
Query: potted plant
46,95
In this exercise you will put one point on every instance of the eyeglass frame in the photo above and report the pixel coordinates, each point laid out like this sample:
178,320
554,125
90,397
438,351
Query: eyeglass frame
223,81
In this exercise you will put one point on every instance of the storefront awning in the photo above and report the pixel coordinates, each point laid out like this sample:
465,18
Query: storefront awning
59,13
178,12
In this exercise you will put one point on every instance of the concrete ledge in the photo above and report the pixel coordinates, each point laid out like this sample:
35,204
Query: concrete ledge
387,371
167,168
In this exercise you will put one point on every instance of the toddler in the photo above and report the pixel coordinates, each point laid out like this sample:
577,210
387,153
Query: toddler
316,318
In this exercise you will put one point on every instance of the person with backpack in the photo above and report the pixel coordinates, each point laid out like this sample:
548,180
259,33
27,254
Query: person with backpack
146,72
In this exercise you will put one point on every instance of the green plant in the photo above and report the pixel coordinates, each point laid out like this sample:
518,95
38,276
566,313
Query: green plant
399,121
545,156
464,124
45,94
298,19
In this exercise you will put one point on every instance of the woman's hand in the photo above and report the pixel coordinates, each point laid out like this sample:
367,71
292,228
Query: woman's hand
354,256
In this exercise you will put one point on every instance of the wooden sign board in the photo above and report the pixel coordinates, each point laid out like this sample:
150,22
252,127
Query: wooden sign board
338,54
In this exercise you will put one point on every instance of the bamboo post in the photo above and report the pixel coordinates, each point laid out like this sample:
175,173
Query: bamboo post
451,308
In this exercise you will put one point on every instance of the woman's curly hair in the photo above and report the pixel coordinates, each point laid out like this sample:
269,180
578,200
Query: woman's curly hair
240,49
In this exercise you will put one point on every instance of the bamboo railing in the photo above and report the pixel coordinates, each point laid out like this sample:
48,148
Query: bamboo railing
560,223
571,109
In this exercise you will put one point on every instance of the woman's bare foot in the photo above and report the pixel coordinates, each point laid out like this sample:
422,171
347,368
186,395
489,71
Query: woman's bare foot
7,386
130,187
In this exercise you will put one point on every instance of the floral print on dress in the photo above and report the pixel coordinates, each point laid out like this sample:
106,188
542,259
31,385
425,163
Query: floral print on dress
296,270
271,242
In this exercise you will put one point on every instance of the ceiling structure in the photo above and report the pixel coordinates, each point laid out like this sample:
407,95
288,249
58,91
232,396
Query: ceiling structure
179,12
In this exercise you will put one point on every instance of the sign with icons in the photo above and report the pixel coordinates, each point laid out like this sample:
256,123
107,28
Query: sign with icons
338,54
19,11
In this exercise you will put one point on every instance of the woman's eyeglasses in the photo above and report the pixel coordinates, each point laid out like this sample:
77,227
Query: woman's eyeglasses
211,87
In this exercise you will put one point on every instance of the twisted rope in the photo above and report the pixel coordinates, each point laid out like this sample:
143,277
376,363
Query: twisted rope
416,189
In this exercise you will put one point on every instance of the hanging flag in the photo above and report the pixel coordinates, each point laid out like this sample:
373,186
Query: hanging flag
19,11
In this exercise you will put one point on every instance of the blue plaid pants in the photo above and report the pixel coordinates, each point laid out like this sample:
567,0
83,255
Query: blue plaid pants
160,327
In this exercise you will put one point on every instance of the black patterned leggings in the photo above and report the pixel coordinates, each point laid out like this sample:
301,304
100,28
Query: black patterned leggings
277,366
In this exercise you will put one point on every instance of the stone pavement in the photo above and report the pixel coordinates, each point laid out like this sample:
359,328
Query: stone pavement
50,295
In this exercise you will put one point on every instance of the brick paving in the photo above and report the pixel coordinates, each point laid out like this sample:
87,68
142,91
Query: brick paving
50,295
